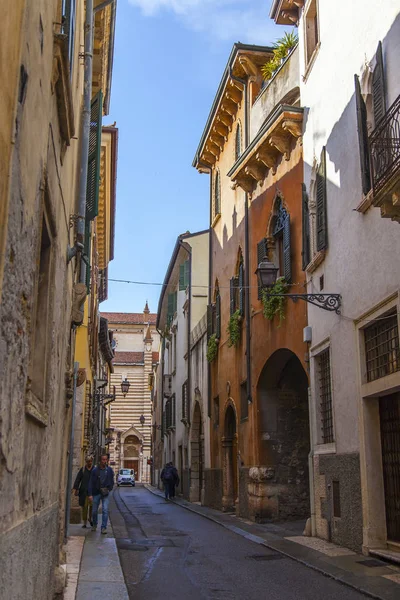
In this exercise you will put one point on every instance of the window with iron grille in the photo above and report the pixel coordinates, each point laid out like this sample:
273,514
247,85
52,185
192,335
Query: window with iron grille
185,403
382,352
325,396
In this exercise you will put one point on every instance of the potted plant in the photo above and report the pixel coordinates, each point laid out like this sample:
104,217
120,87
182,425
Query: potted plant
281,49
234,328
274,304
212,348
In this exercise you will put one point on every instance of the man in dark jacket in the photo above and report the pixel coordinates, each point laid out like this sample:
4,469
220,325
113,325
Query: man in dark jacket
101,484
81,489
170,478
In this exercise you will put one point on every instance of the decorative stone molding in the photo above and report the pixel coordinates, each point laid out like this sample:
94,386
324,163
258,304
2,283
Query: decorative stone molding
81,377
281,143
61,85
78,298
259,474
316,261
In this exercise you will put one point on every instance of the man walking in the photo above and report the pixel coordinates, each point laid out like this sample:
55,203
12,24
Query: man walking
81,489
101,484
170,478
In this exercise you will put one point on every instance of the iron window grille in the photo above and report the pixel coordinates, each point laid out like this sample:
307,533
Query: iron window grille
325,395
185,403
382,350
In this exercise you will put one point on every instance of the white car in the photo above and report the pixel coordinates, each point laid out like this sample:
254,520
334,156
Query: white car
126,477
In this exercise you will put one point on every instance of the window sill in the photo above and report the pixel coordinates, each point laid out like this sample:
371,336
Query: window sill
61,85
216,219
311,62
316,261
325,449
388,384
35,410
365,203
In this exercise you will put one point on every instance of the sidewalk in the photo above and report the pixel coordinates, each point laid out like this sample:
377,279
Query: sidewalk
368,575
93,566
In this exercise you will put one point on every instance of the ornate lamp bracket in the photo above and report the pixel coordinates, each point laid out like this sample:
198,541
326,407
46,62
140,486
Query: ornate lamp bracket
330,302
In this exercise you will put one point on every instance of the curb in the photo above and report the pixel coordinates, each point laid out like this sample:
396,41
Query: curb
258,540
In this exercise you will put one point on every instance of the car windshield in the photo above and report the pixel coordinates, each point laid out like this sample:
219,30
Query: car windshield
124,472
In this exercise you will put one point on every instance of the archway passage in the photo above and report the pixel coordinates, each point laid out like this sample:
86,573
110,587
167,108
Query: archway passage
197,456
284,441
229,449
131,454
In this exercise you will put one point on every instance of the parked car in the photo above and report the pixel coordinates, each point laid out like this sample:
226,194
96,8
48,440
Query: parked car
126,477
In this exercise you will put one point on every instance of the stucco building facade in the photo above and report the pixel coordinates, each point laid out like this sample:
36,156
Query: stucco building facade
181,405
351,152
40,290
129,419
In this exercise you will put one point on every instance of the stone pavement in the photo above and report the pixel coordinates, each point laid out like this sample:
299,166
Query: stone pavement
93,566
375,578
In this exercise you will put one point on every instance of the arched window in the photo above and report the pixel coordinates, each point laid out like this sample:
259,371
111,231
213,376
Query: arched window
237,296
281,235
217,194
238,141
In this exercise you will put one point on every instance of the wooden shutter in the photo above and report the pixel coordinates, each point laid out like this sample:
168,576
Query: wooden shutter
187,272
362,138
322,234
306,229
182,278
238,142
287,263
87,252
218,316
378,87
209,321
241,289
175,302
170,311
93,175
68,26
262,253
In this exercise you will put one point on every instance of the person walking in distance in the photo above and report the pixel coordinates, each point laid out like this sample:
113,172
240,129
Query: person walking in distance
175,480
81,489
101,484
167,479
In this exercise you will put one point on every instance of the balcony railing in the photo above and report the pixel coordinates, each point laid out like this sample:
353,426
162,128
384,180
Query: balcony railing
384,145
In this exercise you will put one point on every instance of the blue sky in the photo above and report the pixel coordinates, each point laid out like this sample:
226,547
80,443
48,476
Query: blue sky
169,59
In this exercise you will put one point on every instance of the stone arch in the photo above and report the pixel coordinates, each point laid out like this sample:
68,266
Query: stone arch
130,449
283,438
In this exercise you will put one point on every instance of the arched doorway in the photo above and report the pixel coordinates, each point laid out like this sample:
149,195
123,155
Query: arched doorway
284,442
132,446
229,451
197,456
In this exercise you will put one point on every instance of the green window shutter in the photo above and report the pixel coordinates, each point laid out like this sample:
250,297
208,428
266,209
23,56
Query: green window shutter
182,285
232,289
378,87
306,229
287,263
262,253
175,303
362,138
209,321
93,175
170,310
322,233
241,289
87,253
187,272
218,316
238,142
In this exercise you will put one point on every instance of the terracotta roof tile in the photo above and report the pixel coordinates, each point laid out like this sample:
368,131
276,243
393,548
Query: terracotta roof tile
129,318
128,358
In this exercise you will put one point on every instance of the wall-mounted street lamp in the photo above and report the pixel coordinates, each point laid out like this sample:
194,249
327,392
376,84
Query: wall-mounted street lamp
266,273
125,385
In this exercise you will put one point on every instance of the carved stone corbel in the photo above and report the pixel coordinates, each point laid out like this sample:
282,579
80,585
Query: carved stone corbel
221,129
213,149
267,158
78,298
217,139
226,119
295,128
247,184
282,143
292,15
256,172
248,66
298,3
388,211
209,158
234,94
229,106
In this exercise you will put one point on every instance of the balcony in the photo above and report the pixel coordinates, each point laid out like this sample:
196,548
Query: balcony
384,147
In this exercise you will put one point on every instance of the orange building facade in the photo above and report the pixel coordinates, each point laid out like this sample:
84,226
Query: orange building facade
258,389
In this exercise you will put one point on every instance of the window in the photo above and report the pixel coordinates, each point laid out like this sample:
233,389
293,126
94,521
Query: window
184,275
216,412
172,307
382,350
262,254
325,395
185,403
217,195
322,230
306,245
244,405
68,26
237,289
93,174
238,141
281,235
311,30
214,316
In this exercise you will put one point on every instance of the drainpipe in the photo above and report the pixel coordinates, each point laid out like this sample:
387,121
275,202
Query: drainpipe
246,245
71,455
311,467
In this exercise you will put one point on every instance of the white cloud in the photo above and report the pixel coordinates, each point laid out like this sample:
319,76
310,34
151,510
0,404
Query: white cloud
244,20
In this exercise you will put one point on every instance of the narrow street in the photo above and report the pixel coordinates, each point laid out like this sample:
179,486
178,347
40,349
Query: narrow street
167,551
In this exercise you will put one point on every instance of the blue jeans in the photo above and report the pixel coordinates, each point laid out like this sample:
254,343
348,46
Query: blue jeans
96,503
